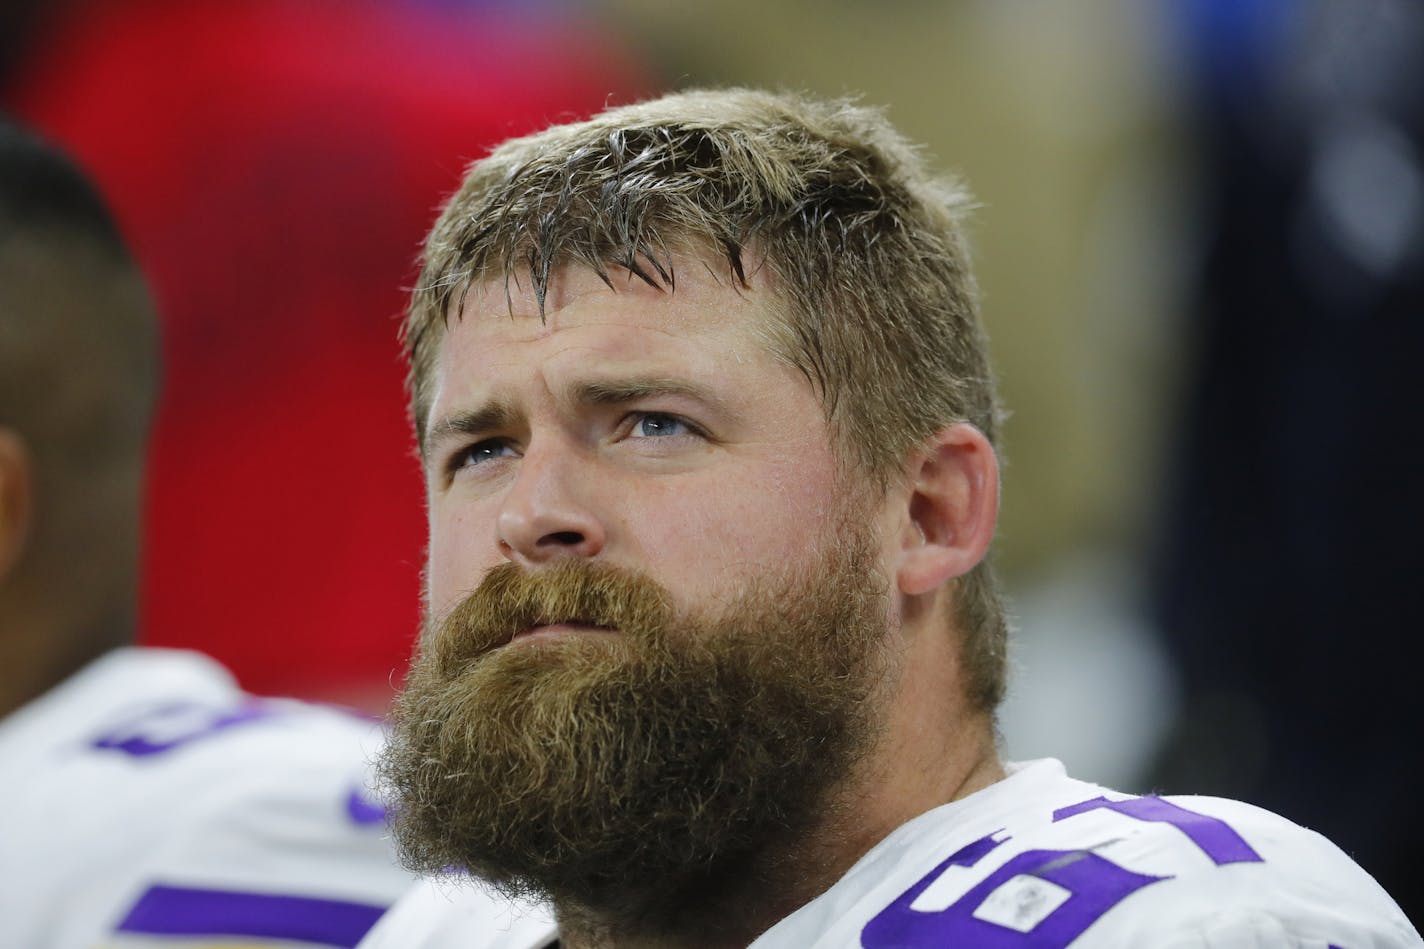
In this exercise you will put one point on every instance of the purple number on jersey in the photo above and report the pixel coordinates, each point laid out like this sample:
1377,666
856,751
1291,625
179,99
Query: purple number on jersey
1213,837
176,724
1041,898
1082,884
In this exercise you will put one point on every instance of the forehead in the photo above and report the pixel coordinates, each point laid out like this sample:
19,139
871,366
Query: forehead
703,320
700,290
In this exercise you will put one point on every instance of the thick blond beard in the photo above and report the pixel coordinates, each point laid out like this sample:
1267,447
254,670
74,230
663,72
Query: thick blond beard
628,777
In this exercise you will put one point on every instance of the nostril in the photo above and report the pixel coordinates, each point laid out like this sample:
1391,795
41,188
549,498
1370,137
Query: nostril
563,538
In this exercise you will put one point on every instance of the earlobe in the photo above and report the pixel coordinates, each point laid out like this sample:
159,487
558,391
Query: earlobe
15,498
953,506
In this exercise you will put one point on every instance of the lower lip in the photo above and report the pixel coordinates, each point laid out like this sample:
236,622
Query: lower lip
558,631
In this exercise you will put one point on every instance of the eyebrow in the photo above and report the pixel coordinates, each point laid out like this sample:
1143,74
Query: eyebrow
619,391
494,415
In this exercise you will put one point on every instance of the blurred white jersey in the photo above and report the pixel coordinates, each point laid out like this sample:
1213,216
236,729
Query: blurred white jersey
147,801
1037,860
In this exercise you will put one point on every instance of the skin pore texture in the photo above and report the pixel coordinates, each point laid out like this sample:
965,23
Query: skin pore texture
648,444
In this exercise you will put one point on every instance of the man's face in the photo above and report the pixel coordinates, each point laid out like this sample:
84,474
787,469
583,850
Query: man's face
639,428
657,624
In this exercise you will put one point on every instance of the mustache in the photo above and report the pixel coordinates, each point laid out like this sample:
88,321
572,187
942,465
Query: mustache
511,599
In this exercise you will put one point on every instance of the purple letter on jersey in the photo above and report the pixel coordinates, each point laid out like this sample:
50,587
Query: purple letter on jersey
1214,837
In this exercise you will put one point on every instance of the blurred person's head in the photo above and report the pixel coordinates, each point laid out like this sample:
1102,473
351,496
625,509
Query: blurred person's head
77,382
706,416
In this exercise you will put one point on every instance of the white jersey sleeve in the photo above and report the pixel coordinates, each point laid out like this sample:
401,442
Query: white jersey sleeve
148,802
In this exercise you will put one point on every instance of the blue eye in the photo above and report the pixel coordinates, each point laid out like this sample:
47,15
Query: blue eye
655,424
480,452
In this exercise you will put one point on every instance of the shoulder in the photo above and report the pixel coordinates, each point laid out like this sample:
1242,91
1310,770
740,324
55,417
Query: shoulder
457,913
226,771
162,711
1194,870
174,727
1046,861
194,804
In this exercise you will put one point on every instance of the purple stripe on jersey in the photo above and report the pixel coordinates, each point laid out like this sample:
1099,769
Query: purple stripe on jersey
1213,837
176,724
181,911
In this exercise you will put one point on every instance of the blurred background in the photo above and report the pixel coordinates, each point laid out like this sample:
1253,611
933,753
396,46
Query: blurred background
1200,245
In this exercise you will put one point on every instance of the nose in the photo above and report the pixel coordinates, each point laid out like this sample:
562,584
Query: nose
546,515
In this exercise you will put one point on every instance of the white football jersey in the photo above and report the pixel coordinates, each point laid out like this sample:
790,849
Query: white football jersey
147,801
1036,861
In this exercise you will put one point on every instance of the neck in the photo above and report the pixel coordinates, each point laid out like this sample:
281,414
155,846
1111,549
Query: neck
36,657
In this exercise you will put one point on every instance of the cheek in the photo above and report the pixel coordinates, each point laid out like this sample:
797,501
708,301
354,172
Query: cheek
462,550
723,528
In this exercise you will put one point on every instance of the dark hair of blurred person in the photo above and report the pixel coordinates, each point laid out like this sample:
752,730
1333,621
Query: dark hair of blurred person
78,369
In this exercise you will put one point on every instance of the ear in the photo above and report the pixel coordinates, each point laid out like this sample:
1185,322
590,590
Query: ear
953,505
15,498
